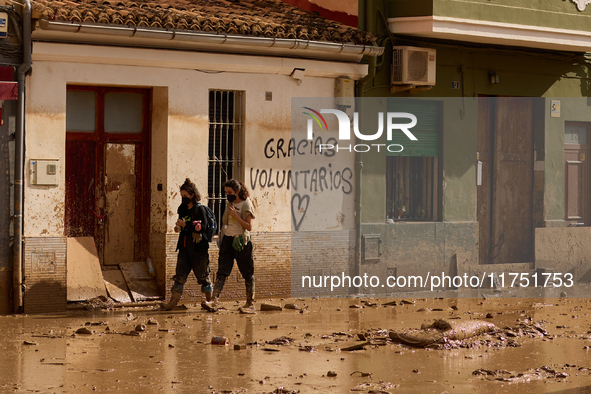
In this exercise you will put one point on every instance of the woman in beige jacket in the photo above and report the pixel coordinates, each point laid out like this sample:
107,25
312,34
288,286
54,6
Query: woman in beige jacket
234,239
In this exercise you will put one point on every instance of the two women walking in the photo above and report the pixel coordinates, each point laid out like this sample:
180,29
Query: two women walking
233,241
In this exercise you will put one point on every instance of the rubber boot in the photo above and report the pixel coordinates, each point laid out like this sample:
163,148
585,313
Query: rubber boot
219,285
249,294
207,290
175,297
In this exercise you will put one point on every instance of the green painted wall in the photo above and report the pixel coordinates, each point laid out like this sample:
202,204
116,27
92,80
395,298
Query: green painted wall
457,158
372,183
522,72
559,14
460,128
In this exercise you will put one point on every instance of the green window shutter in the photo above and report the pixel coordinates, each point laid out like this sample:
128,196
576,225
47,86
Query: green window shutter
428,115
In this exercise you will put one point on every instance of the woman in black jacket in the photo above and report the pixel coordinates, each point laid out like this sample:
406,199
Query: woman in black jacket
193,248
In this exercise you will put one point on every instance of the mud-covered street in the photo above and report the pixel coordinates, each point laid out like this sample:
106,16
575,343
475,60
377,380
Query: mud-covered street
535,346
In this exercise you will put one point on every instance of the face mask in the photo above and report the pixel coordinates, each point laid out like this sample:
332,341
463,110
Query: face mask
231,197
186,200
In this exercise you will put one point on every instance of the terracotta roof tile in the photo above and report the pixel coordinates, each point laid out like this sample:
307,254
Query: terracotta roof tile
259,18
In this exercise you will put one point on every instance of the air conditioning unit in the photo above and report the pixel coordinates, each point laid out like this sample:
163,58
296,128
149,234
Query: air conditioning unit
413,66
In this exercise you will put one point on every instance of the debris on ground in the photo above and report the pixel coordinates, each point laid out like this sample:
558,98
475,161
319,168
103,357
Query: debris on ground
348,347
98,303
270,307
283,340
379,387
362,374
540,373
441,331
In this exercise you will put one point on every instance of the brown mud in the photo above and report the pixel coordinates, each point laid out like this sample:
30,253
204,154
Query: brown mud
312,346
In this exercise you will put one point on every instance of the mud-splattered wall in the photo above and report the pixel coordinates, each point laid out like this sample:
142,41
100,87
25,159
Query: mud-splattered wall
179,136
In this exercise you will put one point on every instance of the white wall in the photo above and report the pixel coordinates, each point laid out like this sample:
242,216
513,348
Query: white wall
180,131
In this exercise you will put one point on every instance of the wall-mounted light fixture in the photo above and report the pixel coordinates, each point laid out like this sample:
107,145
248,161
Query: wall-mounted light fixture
298,74
494,78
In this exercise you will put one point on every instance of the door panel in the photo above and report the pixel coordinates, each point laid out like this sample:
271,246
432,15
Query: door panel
576,175
512,225
81,172
484,189
120,199
505,196
108,170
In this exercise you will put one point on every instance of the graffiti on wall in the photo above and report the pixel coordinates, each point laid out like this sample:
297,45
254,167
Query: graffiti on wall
302,182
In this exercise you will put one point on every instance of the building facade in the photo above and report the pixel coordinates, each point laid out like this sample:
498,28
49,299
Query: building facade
124,101
500,181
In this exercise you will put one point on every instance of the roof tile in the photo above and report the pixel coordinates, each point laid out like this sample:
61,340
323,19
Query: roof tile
259,18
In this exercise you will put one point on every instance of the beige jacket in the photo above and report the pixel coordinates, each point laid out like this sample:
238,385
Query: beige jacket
247,209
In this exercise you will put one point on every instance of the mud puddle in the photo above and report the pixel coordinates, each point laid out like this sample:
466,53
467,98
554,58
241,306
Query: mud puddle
537,346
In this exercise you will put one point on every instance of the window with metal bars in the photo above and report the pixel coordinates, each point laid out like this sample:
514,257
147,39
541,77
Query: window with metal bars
224,152
412,187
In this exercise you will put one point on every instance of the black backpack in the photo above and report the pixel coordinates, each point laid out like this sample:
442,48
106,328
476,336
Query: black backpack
212,229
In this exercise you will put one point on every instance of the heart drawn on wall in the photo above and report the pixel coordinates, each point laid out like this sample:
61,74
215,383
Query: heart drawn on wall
299,207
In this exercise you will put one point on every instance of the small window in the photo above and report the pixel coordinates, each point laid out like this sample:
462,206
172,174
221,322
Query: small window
123,112
412,188
412,174
225,131
81,111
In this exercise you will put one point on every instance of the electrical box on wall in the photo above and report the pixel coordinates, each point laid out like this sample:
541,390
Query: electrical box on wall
43,172
344,91
3,24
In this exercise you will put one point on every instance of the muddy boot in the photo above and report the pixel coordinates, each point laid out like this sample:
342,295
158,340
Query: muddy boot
207,291
249,294
219,285
175,297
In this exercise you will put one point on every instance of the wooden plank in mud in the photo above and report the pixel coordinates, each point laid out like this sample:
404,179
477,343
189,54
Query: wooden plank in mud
141,285
116,286
83,270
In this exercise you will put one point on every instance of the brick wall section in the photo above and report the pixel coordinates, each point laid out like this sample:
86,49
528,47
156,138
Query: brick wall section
319,254
272,270
45,275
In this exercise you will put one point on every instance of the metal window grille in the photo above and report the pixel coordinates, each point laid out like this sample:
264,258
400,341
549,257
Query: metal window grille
412,188
225,132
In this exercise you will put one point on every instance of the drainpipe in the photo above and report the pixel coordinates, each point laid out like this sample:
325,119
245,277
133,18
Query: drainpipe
359,167
365,23
19,156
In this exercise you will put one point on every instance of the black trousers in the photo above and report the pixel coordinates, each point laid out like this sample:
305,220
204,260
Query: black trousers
192,258
244,260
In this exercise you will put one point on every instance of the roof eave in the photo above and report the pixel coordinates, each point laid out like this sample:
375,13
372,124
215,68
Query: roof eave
123,35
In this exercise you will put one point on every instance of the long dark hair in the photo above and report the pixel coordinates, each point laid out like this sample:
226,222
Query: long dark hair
238,188
190,188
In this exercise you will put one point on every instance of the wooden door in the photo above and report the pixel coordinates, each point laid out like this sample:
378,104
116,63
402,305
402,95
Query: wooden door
484,190
512,194
107,170
576,174
505,195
